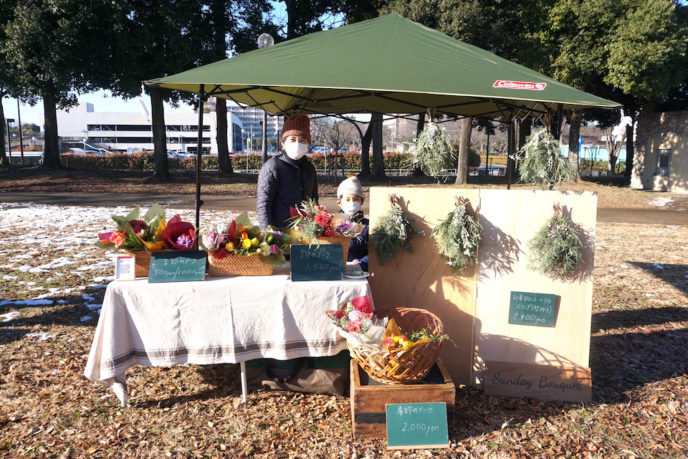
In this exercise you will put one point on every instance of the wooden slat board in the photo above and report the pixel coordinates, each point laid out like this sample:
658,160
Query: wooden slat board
422,279
510,219
474,304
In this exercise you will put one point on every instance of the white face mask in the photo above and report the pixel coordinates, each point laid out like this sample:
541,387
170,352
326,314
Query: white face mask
351,207
296,150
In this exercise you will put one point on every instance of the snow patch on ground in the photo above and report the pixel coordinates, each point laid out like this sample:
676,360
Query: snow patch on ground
9,316
660,202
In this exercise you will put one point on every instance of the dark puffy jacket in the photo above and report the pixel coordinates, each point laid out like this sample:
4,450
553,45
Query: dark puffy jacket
282,184
358,246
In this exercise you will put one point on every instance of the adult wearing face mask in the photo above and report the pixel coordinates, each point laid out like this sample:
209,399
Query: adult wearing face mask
288,178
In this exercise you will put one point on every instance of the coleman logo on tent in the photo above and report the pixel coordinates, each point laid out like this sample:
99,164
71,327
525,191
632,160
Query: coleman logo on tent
519,85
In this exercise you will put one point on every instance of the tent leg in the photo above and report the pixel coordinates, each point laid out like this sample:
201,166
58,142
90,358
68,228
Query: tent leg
199,157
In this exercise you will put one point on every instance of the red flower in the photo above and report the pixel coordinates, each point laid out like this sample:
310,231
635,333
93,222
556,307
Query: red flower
138,226
328,232
363,304
323,219
176,228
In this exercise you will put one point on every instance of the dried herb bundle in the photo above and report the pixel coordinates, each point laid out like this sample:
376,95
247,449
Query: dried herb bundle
394,232
433,149
543,164
556,249
458,236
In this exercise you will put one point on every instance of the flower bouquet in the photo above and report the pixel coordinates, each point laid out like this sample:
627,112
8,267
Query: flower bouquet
242,249
316,225
398,346
137,235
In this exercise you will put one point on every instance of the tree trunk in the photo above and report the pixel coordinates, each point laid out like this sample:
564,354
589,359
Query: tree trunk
365,150
524,128
630,150
51,152
417,172
224,162
464,146
574,135
4,160
161,171
378,157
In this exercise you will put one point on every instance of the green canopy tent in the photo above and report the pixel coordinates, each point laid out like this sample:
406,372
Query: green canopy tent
383,65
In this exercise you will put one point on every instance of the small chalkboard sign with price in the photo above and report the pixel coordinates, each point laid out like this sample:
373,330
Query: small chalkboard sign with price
417,425
537,309
316,262
177,266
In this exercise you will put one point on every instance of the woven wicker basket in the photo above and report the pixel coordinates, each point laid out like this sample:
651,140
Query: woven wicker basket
402,366
238,265
142,260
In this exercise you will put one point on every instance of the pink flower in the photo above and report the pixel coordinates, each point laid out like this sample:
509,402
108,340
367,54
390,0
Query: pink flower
185,241
274,248
354,327
117,238
363,304
356,315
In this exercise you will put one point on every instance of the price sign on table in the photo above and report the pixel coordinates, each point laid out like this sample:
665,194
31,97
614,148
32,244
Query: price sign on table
417,425
177,266
316,262
526,308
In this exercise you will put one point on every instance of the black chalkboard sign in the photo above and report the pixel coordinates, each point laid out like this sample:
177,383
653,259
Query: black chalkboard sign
316,262
527,308
417,425
177,266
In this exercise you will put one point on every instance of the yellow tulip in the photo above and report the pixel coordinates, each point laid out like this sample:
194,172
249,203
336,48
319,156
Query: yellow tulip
255,242
246,243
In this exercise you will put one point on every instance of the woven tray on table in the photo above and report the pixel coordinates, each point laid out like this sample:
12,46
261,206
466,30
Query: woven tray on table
142,260
401,366
238,265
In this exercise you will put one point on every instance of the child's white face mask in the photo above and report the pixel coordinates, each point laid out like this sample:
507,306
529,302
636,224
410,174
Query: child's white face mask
295,150
350,207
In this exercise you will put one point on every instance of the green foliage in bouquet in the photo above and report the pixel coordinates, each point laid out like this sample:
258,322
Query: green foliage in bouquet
433,150
556,250
136,233
458,236
393,233
543,164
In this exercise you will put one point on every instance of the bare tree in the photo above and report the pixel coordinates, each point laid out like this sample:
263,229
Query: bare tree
613,144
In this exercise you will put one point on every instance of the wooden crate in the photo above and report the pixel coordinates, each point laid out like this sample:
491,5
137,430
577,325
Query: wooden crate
369,398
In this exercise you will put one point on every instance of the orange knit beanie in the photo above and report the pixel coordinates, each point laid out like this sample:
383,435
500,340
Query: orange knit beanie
297,125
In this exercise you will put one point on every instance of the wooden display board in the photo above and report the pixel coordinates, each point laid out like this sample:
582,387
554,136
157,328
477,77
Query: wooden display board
473,304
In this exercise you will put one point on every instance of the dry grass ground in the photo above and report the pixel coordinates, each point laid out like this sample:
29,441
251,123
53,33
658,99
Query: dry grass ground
48,409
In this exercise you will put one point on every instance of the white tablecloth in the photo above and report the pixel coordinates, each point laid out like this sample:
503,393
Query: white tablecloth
219,320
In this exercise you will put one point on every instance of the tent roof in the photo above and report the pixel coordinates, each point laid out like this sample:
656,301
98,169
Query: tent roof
385,65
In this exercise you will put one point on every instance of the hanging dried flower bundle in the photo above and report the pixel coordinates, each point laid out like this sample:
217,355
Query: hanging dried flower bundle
457,237
433,150
557,249
393,233
543,164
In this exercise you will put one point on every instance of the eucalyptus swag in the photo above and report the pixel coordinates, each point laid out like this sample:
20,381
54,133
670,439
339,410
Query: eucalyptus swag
458,236
543,164
433,149
557,248
393,233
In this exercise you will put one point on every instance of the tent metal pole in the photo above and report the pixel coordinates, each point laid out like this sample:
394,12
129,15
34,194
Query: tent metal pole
199,157
510,151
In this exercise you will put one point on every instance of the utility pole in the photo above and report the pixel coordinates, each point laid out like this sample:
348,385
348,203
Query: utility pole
265,40
21,141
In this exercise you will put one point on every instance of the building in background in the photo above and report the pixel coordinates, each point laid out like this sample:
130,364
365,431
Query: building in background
252,124
84,128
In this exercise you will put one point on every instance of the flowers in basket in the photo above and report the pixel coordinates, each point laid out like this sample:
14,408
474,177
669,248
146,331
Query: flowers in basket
243,238
355,322
135,232
314,221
